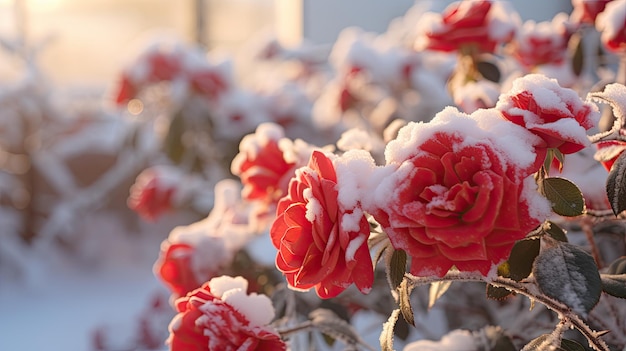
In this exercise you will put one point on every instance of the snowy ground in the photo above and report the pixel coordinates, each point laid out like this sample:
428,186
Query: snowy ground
67,298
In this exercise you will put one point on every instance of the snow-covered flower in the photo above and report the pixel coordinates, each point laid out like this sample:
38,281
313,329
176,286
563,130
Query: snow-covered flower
261,164
586,11
321,232
157,63
154,190
483,24
556,114
609,151
222,316
542,43
612,24
460,192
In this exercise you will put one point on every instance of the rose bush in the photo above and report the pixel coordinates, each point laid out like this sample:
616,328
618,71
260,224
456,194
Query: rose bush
221,316
457,196
321,243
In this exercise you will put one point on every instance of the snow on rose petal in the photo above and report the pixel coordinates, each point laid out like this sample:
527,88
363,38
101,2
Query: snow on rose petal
555,114
459,195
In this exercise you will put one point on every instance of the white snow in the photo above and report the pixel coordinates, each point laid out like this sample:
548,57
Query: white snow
456,340
256,308
612,20
484,127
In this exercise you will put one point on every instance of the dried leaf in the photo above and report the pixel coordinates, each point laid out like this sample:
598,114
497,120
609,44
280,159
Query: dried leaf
386,337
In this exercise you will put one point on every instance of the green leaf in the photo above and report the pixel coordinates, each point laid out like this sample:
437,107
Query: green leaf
173,143
567,200
386,337
522,257
571,345
436,290
616,185
578,58
498,293
554,231
404,292
396,267
568,274
542,343
489,71
618,266
614,284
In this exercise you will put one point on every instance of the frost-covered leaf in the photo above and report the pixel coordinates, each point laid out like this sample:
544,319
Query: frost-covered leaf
543,343
498,293
522,257
618,266
567,200
386,337
555,231
614,284
396,267
616,185
568,274
404,292
436,290
331,325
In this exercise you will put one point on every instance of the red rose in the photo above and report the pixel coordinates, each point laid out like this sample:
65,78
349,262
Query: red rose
163,65
459,195
321,243
480,23
125,91
609,151
557,115
542,43
220,316
174,268
152,194
261,164
586,11
612,24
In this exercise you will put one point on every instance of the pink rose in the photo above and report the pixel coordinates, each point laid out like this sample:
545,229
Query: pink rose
460,193
321,242
484,24
221,316
557,115
612,24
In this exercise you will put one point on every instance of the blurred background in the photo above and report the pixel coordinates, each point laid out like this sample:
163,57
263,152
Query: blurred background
87,41
75,262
